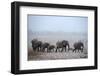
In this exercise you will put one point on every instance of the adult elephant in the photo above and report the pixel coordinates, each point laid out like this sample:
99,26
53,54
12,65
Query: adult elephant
65,44
45,46
62,45
36,45
78,46
51,47
59,46
34,41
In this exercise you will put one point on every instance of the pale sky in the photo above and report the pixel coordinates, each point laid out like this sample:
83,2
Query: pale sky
40,23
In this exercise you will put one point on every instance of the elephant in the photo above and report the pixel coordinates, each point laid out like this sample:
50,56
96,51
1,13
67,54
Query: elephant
34,41
62,45
65,44
45,46
51,47
36,45
78,46
59,46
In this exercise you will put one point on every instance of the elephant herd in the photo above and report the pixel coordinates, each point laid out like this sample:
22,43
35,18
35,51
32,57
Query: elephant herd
60,46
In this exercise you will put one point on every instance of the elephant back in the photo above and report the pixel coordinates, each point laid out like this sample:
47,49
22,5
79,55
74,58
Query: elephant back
45,45
59,44
78,45
51,47
65,42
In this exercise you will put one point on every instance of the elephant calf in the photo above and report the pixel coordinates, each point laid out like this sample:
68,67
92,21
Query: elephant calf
51,47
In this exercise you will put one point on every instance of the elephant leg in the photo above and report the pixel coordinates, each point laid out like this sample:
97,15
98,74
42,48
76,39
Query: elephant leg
47,49
38,49
82,50
56,49
73,50
65,49
78,50
34,49
50,50
43,50
62,50
68,48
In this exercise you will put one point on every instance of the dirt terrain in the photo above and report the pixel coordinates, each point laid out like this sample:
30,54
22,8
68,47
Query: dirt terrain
55,55
52,38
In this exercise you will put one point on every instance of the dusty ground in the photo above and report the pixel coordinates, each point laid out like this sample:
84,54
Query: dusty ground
55,55
52,38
